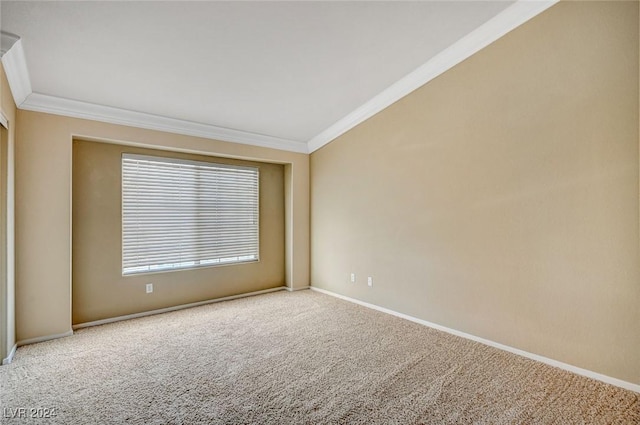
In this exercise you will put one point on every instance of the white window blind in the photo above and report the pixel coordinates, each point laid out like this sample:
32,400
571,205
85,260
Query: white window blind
179,214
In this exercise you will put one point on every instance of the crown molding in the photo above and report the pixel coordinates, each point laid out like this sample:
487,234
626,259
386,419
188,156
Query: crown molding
3,120
510,18
15,67
7,40
73,108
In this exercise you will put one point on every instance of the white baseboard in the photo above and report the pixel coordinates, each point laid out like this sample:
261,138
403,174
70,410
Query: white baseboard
178,307
43,338
12,353
290,289
577,370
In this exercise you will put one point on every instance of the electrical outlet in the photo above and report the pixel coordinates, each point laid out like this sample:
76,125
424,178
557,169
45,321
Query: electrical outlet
149,288
370,281
353,278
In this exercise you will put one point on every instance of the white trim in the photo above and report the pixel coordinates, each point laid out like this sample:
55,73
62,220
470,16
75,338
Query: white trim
515,15
290,289
178,307
73,108
7,40
512,17
15,67
9,358
577,370
43,338
4,121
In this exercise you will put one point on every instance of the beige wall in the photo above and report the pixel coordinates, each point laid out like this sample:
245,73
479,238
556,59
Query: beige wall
8,109
43,209
100,291
501,198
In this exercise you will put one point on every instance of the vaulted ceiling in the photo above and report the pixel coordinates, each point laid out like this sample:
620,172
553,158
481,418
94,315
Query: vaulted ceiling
290,75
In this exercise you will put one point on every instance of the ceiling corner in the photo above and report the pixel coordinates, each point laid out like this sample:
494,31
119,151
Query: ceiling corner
509,19
15,67
72,108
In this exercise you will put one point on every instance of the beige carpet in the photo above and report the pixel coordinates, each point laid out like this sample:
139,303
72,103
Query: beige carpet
294,358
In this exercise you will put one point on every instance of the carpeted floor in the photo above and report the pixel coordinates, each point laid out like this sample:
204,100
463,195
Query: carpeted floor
294,358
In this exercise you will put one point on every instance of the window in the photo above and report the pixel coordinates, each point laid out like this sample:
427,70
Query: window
179,214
